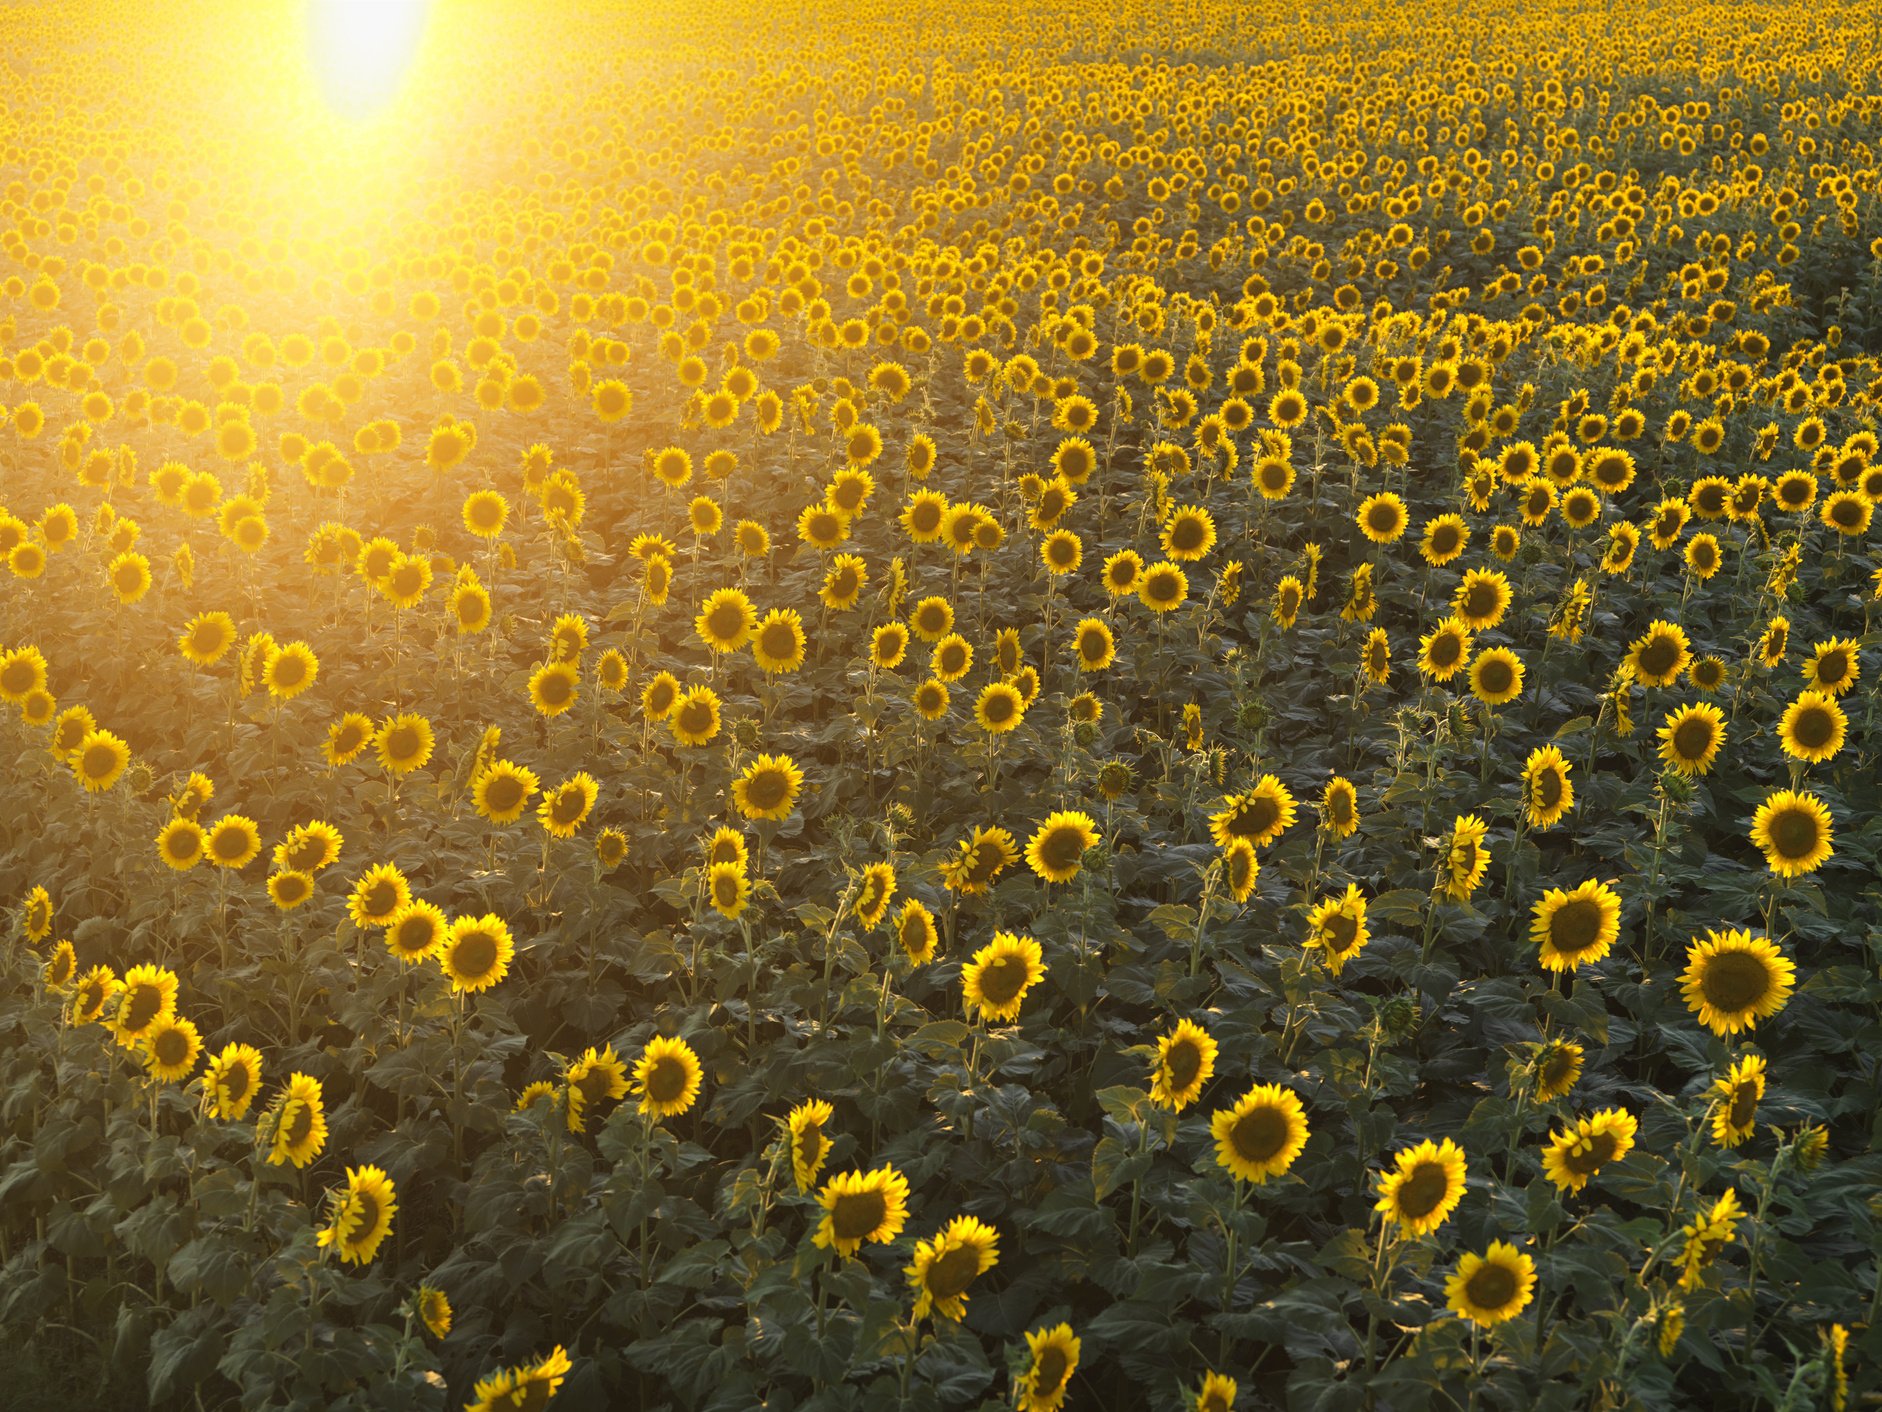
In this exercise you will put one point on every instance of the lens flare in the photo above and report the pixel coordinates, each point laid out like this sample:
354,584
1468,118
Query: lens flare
360,49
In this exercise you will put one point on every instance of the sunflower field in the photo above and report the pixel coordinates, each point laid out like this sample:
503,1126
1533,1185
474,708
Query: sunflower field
1063,705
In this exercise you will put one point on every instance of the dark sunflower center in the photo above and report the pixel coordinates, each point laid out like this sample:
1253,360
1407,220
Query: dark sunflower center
1692,739
1813,728
504,792
1002,978
237,1080
1846,512
725,621
1492,1286
569,806
1000,707
476,955
1051,1370
926,518
695,717
369,1209
414,934
778,641
406,580
19,677
594,1084
100,760
1443,539
1575,926
953,658
1383,518
1446,648
171,1048
1496,676
767,788
380,899
1340,929
1259,1134
289,670
1548,788
1187,533
230,843
301,1125
810,1143
555,688
1163,587
1659,656
1182,1064
1744,1106
1795,833
1587,1157
725,890
402,744
290,888
858,1213
1832,667
667,1080
306,853
1734,981
1255,817
1062,847
1481,600
953,1272
1290,601
349,739
1424,1190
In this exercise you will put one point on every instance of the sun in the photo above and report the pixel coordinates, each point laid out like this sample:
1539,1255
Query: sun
359,50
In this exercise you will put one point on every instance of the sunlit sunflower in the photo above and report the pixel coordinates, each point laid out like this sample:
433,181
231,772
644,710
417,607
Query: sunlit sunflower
1059,844
1467,857
296,1123
288,888
598,1077
476,953
234,841
1548,793
1382,517
728,888
952,658
1579,1151
1093,646
207,637
1162,588
725,620
888,645
1812,728
994,983
1734,979
1122,572
1735,1096
416,931
862,1207
999,708
433,1310
767,787
1243,868
100,760
1576,927
359,1215
1445,538
667,1076
874,893
931,699
1337,927
378,896
844,583
1481,598
1690,738
1491,1288
777,643
943,1268
346,738
1496,676
695,717
1261,815
1556,1068
1261,1134
231,1081
502,791
1659,654
404,743
309,847
1185,1062
1423,1188
171,1048
529,1386
1188,534
915,932
1793,830
181,844
290,670
1833,667
1053,1353
1339,808
60,967
1443,651
1375,657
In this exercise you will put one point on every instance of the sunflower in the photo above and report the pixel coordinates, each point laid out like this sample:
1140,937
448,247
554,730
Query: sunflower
92,993
1706,1235
809,1147
861,1207
433,1310
309,847
1261,1134
999,708
1093,646
1423,1188
1162,588
404,743
767,787
1261,815
233,841
296,1124
100,760
1734,979
1548,793
1691,737
876,891
1467,857
995,982
416,931
1188,534
844,582
1339,808
181,844
231,1081
1382,517
207,637
931,699
1122,572
1059,844
1586,1145
359,1215
695,716
1243,868
171,1048
916,933
1793,829
346,738
1496,676
1735,1096
1491,1288
1774,642
952,658
502,790
777,643
1481,598
728,888
378,896
1337,926
476,953
59,969
1834,666
1054,1351
1375,657
659,697
943,1267
288,888
598,1077
290,670
667,1077
1812,728
1443,651
725,620
1185,1062
888,645
1660,654
1576,927
529,1386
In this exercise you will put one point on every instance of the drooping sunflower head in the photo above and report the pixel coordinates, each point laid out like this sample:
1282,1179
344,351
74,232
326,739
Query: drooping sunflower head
1185,1062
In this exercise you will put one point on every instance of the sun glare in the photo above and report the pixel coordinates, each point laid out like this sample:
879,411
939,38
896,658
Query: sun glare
361,49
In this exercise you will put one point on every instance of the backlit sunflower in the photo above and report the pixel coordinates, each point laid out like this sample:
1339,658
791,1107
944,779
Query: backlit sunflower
1576,927
527,1388
1481,598
767,787
728,888
502,791
1734,979
931,699
1491,1288
181,844
100,760
171,1048
874,894
476,953
915,932
1337,926
999,708
943,1268
288,888
1162,588
1339,807
1261,1134
1735,1096
1556,1068
695,717
659,697
1548,793
1093,646
433,1310
1659,654
1579,1151
404,743
777,643
1122,571
1813,727
295,1127
60,967
1188,534
416,931
359,1215
1059,844
844,583
952,658
1382,517
1423,1188
1261,815
309,847
888,645
207,637
231,1082
1443,651
1467,857
725,620
378,896
346,738
862,1207
995,982
667,1076
1243,868
598,1077
290,670
1496,676
1185,1062
234,841
1690,738
1053,1353
1793,830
